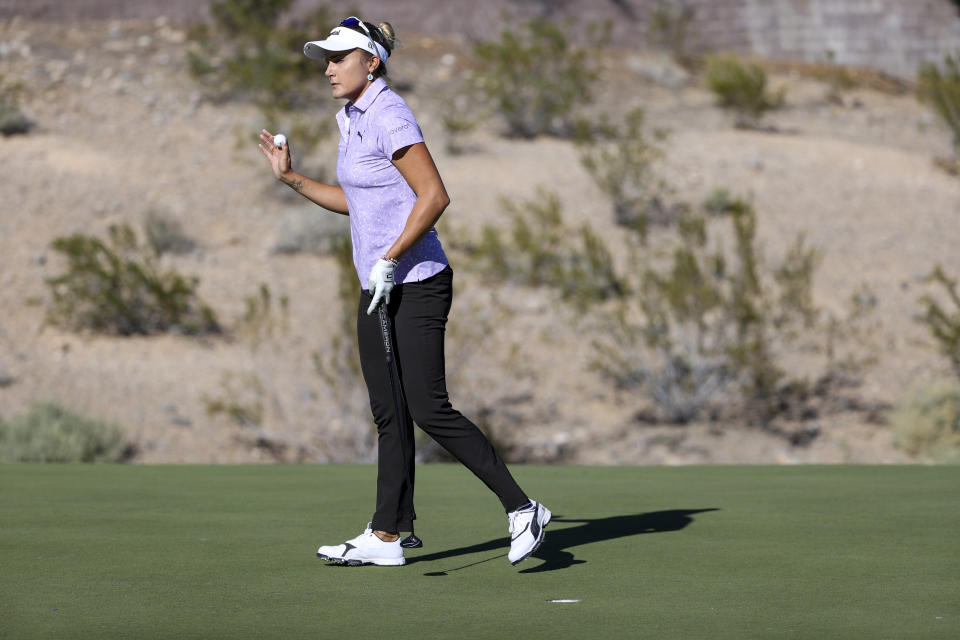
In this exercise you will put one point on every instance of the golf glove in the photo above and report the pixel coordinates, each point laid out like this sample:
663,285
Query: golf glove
381,282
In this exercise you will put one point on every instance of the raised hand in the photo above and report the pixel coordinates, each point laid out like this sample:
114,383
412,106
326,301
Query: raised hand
279,157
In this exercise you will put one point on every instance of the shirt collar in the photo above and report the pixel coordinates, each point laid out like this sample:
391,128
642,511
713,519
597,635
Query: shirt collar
369,95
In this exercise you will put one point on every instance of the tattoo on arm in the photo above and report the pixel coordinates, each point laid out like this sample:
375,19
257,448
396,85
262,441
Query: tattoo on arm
296,185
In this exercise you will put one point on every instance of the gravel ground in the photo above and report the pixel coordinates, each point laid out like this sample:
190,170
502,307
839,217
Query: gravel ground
122,131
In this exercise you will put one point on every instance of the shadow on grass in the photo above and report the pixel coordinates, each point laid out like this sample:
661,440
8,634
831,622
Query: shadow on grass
554,551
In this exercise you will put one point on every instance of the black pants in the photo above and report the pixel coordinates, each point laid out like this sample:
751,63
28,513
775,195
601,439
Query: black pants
419,317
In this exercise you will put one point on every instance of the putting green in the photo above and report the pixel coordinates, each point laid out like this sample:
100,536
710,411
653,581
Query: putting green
109,551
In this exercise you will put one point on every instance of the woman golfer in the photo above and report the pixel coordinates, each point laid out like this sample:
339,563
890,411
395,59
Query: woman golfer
390,188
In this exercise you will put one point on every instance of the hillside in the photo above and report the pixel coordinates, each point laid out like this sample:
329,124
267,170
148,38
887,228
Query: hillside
122,131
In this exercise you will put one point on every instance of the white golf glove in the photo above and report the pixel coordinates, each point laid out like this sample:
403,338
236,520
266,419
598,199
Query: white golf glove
381,282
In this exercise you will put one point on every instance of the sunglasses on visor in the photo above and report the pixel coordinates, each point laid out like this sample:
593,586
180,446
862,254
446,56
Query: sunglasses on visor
355,22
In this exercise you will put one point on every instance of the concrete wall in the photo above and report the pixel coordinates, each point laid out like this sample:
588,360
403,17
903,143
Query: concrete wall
892,35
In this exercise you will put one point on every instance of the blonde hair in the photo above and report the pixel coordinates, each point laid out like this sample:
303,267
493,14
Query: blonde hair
387,37
389,34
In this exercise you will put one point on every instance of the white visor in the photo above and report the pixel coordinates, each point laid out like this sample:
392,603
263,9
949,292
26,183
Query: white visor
344,39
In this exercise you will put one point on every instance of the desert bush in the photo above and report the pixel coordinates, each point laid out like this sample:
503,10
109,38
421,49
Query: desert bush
165,234
253,51
49,432
942,316
620,161
12,120
940,88
852,341
261,317
118,287
741,87
535,80
460,113
926,421
713,323
670,28
837,78
719,201
240,399
540,249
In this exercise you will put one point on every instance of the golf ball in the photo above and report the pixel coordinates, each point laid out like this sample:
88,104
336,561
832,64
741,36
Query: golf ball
279,139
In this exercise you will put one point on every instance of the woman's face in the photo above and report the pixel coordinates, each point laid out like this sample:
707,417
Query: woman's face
348,71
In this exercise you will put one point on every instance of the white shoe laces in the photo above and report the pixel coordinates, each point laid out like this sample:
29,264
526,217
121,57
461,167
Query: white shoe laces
366,532
514,515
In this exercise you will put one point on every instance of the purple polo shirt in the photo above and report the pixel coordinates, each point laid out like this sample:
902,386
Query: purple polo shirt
378,198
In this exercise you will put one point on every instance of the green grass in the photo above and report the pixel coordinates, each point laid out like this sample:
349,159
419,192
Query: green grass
91,551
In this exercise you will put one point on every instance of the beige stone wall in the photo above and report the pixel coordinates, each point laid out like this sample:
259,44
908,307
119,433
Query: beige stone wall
893,35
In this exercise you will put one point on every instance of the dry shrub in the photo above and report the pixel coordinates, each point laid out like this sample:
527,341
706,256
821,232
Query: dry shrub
941,316
49,432
940,88
705,332
741,87
535,80
620,160
540,249
117,286
12,120
252,51
926,421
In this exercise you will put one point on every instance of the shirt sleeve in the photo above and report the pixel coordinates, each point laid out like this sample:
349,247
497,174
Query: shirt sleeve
397,129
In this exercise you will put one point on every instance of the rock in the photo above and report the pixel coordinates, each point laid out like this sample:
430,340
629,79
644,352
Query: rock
6,379
659,69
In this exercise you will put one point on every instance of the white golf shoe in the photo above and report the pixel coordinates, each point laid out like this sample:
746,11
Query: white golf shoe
526,530
366,548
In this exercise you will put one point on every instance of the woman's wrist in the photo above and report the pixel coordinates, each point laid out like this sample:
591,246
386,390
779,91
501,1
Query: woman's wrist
292,180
